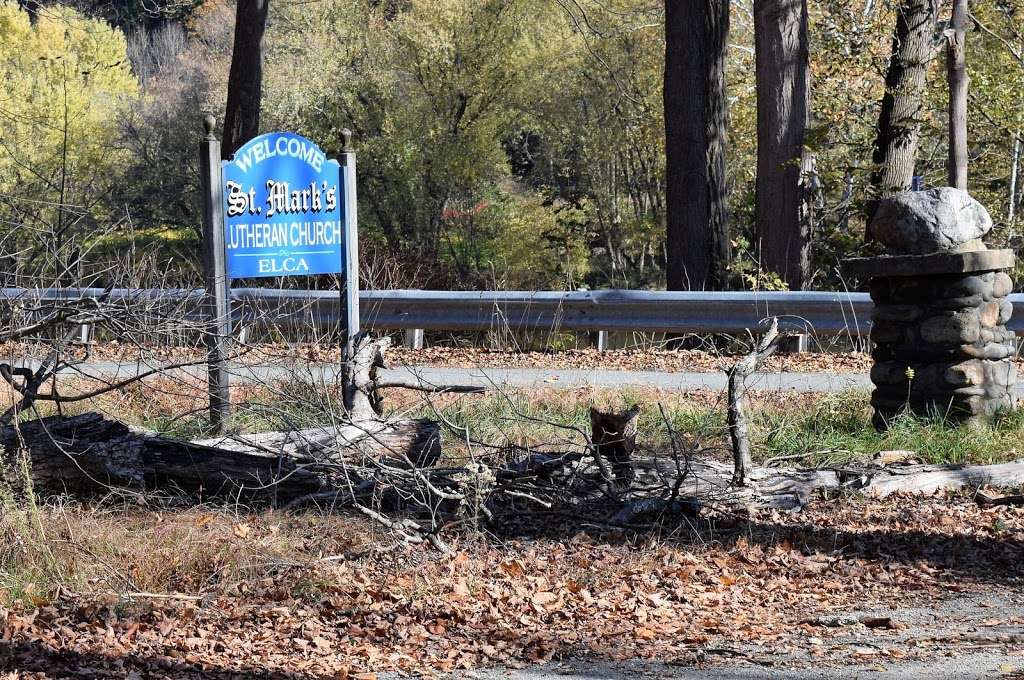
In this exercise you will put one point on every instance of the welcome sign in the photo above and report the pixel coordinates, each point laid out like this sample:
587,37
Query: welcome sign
283,206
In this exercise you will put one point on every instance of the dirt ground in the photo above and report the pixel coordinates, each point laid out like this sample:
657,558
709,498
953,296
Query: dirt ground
883,586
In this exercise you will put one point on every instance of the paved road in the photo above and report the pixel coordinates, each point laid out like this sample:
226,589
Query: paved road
514,377
961,637
966,667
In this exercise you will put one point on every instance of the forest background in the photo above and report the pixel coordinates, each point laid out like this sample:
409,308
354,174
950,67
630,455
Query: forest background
502,144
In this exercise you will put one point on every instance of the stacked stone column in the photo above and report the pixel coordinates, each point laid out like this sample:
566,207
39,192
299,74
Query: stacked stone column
939,323
941,343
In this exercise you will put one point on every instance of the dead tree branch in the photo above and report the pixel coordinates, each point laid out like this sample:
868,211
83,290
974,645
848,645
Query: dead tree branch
738,418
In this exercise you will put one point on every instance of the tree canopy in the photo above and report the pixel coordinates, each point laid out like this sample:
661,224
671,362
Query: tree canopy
501,143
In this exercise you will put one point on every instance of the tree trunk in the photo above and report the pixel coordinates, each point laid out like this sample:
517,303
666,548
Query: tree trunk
88,453
245,79
737,412
783,93
899,120
956,71
1014,174
696,120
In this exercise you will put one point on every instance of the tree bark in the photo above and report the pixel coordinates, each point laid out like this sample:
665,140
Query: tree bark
88,454
696,121
899,119
956,70
783,94
245,79
737,412
1014,174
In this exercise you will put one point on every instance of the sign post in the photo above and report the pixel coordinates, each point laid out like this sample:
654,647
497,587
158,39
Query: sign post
351,298
215,278
278,207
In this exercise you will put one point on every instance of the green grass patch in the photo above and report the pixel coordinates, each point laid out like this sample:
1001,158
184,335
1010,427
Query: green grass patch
837,430
810,429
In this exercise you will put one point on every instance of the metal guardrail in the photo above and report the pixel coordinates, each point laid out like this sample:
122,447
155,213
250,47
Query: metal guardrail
823,313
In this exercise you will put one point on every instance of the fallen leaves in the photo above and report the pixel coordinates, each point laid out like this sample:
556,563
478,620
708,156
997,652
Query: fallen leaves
643,359
774,580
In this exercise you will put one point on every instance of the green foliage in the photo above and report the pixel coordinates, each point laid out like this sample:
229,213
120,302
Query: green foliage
430,91
508,143
65,76
539,245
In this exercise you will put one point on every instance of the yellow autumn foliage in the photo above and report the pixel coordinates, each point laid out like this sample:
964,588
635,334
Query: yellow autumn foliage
64,78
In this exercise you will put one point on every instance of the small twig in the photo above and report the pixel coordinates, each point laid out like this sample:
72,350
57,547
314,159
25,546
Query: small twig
792,456
426,387
986,501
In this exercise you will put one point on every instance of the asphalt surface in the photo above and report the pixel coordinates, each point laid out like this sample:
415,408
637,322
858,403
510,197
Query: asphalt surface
967,667
961,637
512,377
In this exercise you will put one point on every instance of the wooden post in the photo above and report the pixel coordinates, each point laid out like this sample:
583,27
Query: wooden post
798,343
348,164
215,278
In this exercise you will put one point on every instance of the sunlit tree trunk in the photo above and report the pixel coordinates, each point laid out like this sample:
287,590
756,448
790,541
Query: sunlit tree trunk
696,119
899,121
1014,175
957,74
783,93
245,79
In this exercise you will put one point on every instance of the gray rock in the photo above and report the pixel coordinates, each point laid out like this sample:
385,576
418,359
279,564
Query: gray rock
889,373
1002,285
997,350
966,373
890,331
969,302
988,314
897,313
1005,311
956,329
970,286
934,221
1002,373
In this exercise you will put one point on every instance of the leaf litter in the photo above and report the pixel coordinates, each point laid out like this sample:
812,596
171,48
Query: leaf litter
770,588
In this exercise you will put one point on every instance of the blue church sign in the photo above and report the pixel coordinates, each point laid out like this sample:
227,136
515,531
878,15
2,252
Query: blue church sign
283,207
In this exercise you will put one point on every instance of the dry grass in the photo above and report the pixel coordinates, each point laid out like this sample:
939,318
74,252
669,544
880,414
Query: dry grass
122,547
258,592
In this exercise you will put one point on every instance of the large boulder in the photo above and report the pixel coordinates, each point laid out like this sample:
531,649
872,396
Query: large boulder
943,220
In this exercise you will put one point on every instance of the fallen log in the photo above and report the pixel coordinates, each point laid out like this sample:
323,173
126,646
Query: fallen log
793,488
87,454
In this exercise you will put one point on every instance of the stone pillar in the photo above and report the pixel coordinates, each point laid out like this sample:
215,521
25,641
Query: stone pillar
939,322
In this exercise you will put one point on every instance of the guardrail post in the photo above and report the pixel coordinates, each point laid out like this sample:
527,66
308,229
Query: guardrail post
799,343
215,278
413,338
600,340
